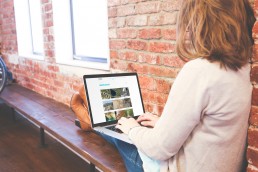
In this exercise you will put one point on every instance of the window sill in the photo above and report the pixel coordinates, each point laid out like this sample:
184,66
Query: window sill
85,64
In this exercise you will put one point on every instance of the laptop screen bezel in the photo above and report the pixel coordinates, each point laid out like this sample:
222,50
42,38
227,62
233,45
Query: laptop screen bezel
106,76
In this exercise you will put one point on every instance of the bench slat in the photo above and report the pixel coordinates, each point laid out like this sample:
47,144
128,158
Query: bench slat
58,119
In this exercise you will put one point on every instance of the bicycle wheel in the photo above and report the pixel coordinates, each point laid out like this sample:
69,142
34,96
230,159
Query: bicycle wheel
3,75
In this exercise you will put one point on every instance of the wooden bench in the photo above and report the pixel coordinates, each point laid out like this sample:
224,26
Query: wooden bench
58,120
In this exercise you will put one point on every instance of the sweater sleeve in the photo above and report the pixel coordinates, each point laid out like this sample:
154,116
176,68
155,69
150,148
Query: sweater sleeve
182,112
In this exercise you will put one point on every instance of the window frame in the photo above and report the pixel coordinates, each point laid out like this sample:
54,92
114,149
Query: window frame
24,29
65,43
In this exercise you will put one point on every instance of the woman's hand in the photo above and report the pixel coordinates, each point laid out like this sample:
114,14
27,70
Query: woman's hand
148,119
126,124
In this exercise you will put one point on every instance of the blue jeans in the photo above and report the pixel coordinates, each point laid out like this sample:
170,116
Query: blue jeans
128,152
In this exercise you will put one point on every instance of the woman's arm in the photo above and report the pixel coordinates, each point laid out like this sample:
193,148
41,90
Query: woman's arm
182,112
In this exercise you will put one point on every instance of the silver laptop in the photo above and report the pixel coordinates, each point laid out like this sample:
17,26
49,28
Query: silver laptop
110,97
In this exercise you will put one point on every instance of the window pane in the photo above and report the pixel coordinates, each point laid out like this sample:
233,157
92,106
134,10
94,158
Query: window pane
36,26
90,28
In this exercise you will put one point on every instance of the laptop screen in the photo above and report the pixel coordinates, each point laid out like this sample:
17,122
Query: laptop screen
112,96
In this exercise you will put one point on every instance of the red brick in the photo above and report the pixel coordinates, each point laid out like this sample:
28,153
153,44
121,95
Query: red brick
137,67
112,12
113,54
127,33
252,137
254,116
44,1
116,22
148,107
125,10
139,20
160,98
117,44
147,82
254,73
156,20
163,85
48,23
112,33
49,38
252,156
163,19
7,4
53,68
150,33
173,61
49,53
161,47
169,34
163,71
147,8
131,56
112,22
49,46
255,6
255,53
46,31
137,45
48,16
145,95
48,7
118,64
113,3
255,97
149,58
170,6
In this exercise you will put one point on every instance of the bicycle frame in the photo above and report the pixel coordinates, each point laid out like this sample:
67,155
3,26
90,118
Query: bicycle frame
5,75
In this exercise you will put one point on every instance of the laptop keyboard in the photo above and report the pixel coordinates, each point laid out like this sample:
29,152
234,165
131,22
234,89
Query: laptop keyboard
113,128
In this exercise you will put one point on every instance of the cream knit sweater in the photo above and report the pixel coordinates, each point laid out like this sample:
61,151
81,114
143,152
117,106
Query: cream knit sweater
203,127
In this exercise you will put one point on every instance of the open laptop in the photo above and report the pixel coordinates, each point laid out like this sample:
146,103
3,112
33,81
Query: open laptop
110,97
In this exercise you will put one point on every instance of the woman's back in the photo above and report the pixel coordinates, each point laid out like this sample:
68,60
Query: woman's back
206,112
218,142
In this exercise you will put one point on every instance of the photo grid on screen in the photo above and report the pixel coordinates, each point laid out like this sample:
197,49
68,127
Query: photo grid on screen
116,103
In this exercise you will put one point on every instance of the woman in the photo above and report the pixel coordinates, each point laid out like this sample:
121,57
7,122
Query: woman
204,123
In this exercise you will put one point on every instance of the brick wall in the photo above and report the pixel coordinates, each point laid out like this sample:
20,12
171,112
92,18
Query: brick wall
142,39
252,150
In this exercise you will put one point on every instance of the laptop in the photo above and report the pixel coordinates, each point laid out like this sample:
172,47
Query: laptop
110,97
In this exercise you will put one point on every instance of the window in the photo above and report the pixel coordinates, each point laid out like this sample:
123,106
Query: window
29,28
81,33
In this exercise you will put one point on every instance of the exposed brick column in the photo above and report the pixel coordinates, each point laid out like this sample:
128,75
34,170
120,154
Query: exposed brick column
252,150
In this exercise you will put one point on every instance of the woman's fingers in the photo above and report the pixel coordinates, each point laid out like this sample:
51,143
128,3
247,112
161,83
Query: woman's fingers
148,119
126,124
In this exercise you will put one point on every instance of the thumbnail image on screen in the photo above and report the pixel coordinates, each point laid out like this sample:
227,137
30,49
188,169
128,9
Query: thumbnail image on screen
116,115
114,93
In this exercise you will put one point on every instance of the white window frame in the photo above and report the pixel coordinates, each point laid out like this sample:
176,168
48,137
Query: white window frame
24,26
63,35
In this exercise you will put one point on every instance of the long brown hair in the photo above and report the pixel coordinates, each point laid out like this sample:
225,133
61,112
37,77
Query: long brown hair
218,30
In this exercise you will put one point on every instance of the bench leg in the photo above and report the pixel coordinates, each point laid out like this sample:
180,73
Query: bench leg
92,167
42,137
